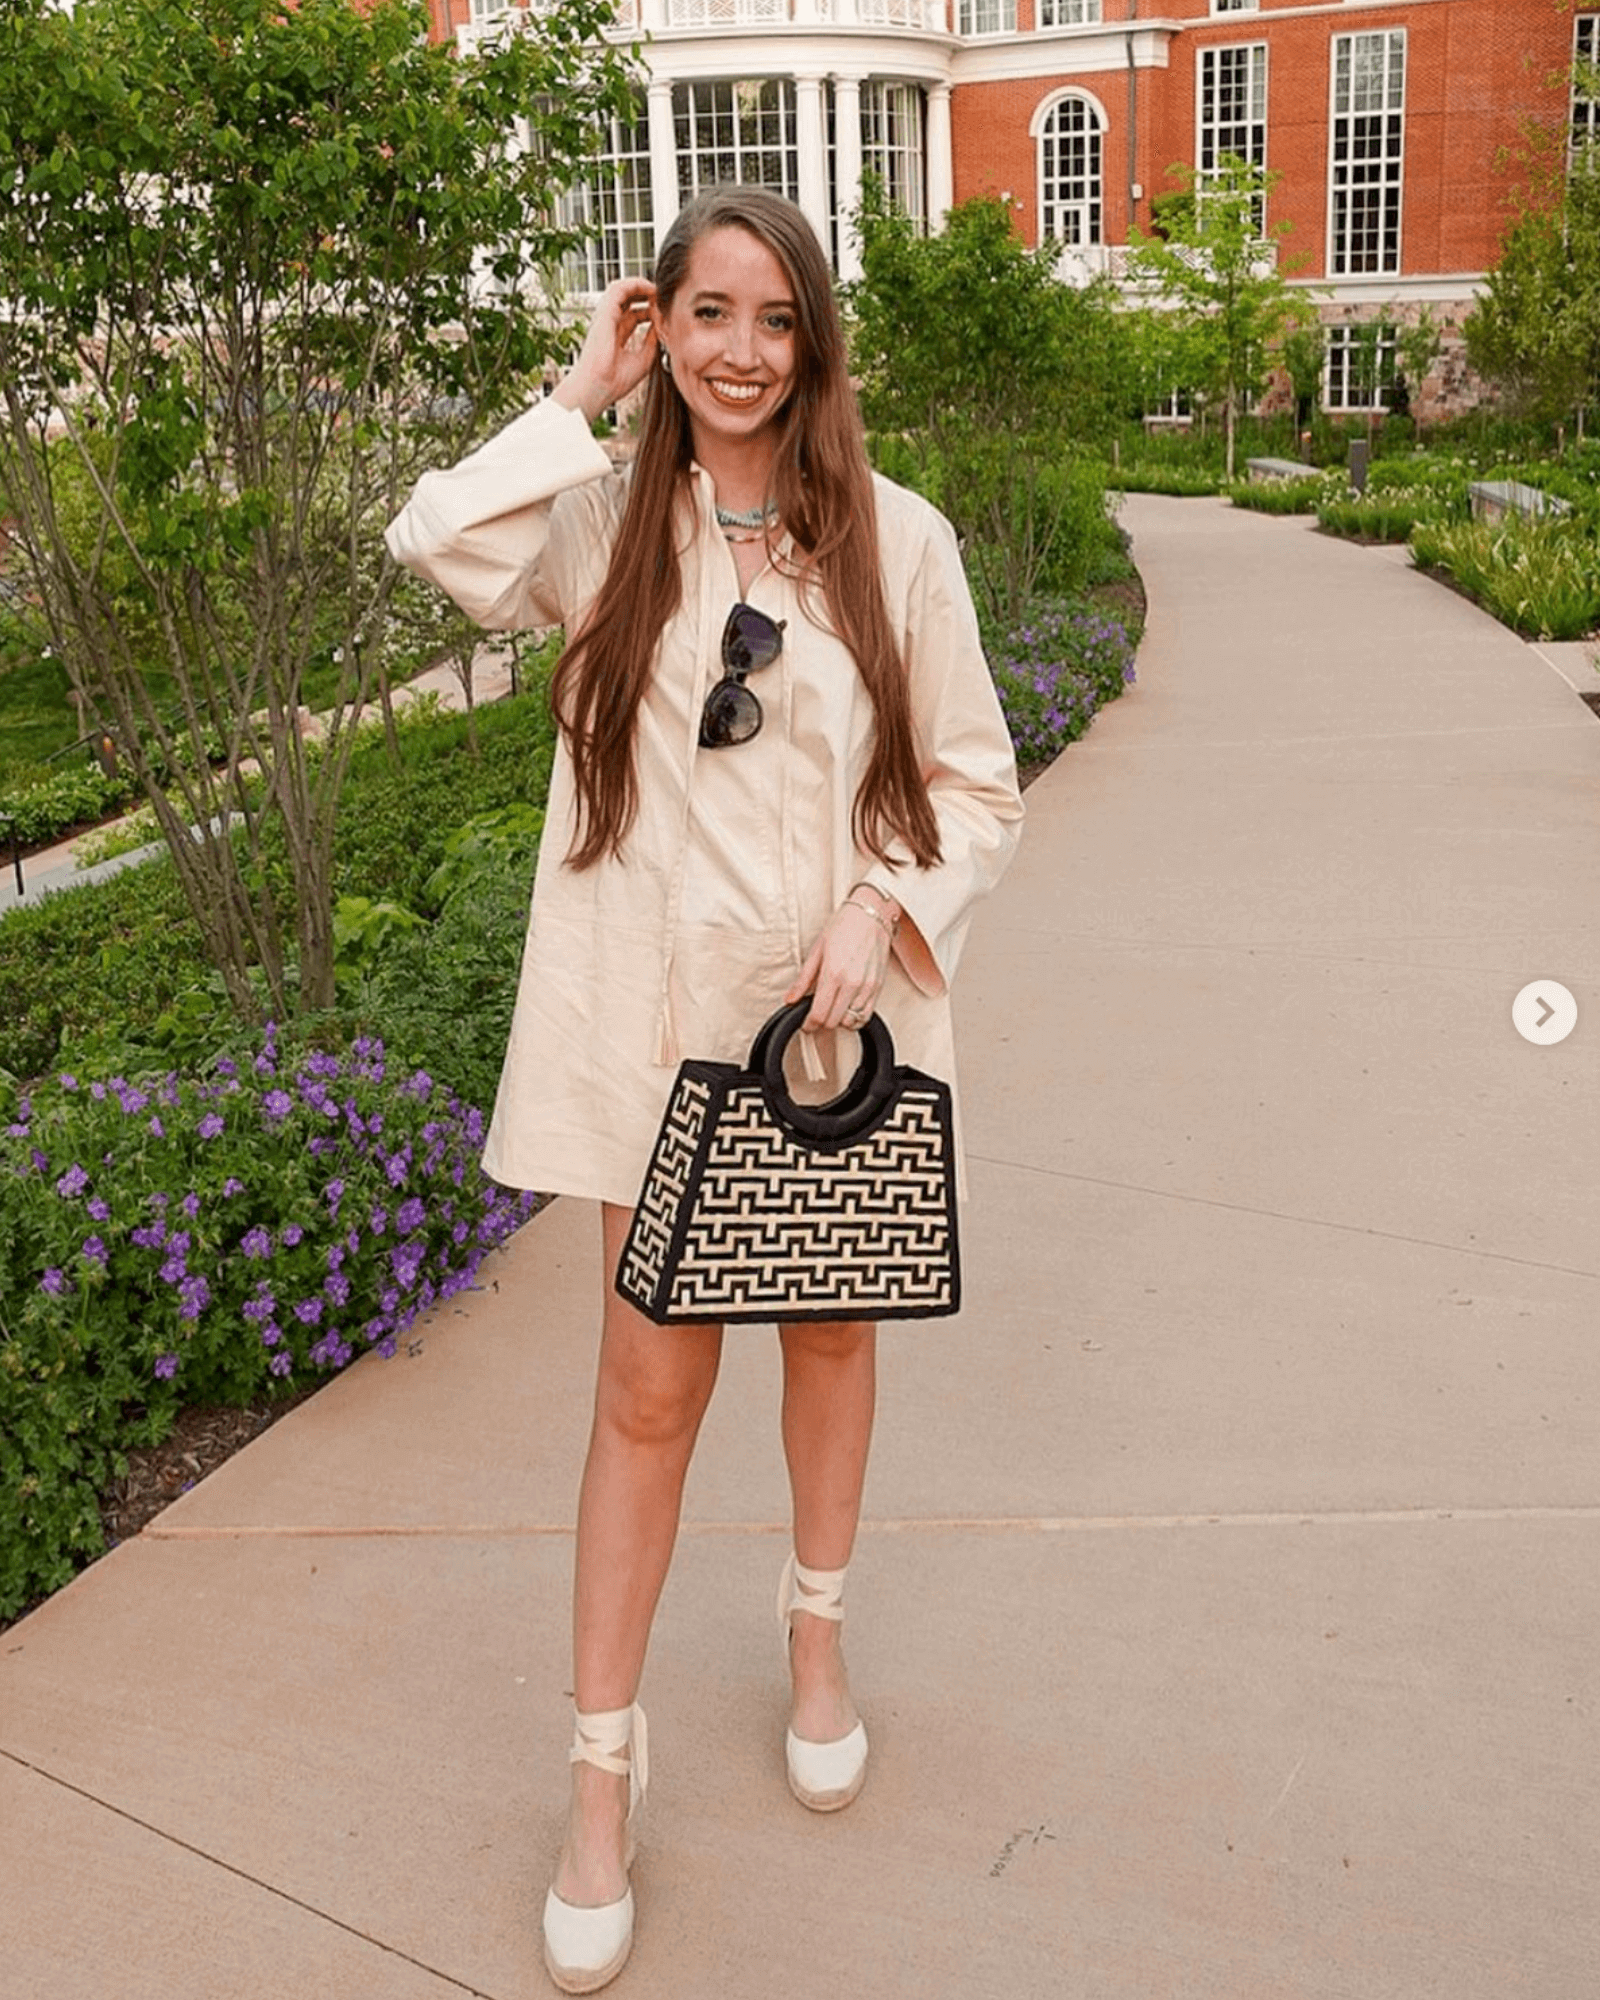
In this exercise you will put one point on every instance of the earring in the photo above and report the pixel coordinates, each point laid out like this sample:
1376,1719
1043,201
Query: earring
666,362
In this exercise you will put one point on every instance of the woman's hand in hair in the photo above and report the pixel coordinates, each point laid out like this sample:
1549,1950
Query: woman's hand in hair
844,970
618,351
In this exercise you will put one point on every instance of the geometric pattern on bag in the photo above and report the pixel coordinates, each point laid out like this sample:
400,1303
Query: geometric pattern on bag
746,1215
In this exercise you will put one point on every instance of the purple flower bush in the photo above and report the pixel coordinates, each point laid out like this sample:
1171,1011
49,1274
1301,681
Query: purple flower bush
188,1239
1055,671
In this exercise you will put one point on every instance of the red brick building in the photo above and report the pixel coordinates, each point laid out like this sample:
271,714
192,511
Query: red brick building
1386,121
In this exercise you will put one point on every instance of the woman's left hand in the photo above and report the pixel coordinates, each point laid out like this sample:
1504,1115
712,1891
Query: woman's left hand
844,970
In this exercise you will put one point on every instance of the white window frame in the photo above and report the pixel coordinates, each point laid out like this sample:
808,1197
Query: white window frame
1388,181
1342,393
987,17
702,162
1585,109
894,142
1235,6
622,202
1208,138
1068,13
1089,210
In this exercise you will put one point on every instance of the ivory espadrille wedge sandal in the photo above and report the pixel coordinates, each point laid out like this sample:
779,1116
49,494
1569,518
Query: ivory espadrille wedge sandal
823,1776
584,1948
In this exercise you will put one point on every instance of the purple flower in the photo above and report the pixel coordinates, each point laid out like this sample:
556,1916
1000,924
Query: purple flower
257,1242
232,1186
72,1183
271,1334
262,1307
157,1127
276,1105
418,1086
94,1250
149,1236
378,1221
281,1362
99,1210
210,1127
226,1066
335,1256
308,1311
41,1161
333,1194
292,1235
194,1295
166,1366
55,1283
405,1263
132,1100
337,1288
411,1216
191,1206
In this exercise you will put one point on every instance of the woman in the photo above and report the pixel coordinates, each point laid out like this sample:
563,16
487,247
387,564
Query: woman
782,770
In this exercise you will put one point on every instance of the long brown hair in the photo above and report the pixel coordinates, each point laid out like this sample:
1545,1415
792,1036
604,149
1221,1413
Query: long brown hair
822,486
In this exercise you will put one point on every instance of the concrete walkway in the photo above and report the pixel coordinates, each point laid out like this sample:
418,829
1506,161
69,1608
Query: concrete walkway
1225,1610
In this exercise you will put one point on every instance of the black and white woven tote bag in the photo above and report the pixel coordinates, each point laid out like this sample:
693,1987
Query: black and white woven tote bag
755,1207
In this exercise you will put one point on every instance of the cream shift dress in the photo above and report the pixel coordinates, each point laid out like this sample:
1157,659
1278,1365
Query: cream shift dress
684,945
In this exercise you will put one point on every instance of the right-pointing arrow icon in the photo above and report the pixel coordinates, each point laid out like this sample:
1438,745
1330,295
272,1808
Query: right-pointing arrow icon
1544,1012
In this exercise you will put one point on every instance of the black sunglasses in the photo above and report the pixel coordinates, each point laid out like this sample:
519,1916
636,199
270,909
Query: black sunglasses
750,640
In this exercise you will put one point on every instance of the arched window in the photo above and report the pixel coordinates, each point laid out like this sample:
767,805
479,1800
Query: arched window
1070,183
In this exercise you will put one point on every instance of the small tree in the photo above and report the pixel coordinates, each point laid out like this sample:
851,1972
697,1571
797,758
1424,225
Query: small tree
1303,353
1220,276
992,373
261,264
1535,332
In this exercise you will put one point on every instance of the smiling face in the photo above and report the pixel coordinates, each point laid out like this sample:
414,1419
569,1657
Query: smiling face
730,329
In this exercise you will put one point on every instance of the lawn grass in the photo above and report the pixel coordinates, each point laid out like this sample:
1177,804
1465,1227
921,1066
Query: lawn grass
37,717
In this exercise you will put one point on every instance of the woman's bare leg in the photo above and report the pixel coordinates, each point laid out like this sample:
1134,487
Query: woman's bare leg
651,1392
829,1395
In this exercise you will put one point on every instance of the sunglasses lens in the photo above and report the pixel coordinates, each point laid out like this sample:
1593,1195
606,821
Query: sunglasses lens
750,640
731,715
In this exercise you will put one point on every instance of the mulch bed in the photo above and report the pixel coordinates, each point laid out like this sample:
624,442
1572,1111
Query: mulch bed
201,1440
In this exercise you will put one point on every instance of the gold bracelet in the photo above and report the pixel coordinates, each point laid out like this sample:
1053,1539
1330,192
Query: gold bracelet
877,916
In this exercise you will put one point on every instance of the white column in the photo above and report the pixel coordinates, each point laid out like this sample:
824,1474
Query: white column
651,14
847,171
941,168
812,140
663,158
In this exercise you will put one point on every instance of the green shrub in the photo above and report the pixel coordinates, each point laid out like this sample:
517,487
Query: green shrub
199,1238
47,805
1279,496
1180,482
95,963
117,966
1540,578
1382,519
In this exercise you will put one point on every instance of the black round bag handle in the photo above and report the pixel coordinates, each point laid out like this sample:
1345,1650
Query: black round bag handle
858,1106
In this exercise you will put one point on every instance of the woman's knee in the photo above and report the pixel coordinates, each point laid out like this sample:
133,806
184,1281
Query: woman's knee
829,1340
655,1400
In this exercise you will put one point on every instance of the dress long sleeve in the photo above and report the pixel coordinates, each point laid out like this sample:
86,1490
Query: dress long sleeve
481,529
969,764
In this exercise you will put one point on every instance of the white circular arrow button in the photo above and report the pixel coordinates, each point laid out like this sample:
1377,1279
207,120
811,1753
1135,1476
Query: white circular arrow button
1544,1013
